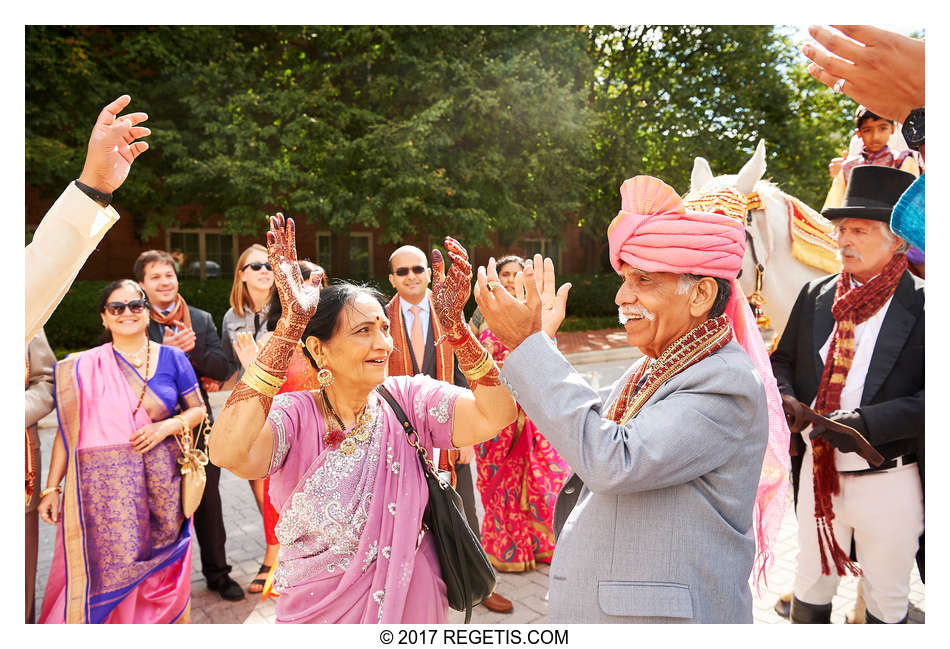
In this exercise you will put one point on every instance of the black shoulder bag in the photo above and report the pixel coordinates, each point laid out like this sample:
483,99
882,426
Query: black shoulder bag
468,575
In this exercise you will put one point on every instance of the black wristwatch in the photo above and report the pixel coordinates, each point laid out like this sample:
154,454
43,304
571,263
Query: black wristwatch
100,197
913,129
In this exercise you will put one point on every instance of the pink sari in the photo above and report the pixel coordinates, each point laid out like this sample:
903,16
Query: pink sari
519,477
353,545
123,546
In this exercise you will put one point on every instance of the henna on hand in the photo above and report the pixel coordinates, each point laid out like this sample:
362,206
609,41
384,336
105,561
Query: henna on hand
298,300
450,292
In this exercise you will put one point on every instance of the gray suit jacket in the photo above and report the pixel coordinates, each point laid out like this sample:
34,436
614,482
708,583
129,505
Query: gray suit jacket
662,530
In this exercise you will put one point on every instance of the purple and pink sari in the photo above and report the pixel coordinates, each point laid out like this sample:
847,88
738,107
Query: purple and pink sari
519,477
123,545
353,545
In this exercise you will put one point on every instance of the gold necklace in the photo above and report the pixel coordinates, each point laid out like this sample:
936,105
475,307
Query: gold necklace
359,434
138,358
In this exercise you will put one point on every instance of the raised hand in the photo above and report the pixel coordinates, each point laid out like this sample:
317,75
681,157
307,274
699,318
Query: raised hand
450,292
512,319
113,146
881,70
297,298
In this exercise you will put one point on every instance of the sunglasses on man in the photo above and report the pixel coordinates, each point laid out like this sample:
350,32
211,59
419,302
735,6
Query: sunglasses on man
417,270
256,266
118,308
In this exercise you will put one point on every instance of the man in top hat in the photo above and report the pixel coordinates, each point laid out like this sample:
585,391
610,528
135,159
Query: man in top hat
662,530
853,350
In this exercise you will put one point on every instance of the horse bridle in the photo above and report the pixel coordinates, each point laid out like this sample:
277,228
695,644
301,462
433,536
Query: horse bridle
756,300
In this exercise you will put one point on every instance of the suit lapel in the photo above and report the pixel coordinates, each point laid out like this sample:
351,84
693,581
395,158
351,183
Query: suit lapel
429,355
823,325
155,332
897,325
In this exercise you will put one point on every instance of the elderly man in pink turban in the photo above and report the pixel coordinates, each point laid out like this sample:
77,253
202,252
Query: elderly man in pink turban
670,494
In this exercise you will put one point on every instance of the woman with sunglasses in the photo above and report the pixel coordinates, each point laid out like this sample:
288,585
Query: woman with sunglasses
250,293
123,545
347,483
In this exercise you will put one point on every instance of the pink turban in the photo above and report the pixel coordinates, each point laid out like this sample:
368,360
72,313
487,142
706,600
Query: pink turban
655,232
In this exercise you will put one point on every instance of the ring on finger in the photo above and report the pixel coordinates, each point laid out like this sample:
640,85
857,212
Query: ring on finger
837,87
493,285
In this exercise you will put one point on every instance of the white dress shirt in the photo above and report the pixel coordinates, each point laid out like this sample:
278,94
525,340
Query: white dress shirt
865,337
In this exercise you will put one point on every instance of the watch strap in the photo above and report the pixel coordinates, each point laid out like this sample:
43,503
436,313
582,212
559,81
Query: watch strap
94,194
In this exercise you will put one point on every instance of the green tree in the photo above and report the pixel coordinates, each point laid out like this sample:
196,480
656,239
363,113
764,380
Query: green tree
666,94
462,130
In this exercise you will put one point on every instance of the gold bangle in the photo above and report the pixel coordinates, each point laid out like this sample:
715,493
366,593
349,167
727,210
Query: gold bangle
264,376
49,490
484,365
251,380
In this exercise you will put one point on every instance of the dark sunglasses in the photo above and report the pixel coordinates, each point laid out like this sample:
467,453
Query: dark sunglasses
118,308
256,265
418,270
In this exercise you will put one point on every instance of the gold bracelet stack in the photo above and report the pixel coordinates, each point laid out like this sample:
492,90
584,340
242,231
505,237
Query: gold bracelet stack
484,365
261,381
49,490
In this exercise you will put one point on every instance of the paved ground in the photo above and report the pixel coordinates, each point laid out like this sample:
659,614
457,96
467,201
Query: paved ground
602,358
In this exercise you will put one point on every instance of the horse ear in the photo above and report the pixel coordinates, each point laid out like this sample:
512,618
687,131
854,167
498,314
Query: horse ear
752,171
701,175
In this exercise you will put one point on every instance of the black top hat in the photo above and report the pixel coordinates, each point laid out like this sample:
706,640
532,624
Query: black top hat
872,193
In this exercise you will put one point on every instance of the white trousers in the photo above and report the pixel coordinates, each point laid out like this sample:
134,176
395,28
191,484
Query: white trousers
885,514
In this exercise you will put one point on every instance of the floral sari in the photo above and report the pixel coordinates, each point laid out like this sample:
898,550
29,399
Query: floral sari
353,548
519,477
123,545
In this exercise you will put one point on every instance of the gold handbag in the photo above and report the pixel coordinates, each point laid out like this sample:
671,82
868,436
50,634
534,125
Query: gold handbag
192,461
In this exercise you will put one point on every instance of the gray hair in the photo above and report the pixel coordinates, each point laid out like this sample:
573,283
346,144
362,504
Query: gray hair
687,281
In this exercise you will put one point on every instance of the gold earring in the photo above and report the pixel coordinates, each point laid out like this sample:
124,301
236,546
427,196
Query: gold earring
325,378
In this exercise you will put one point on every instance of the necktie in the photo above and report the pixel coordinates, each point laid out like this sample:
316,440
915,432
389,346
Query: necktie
415,336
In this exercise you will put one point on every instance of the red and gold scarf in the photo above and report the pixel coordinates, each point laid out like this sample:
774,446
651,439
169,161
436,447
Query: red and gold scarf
400,361
700,342
851,307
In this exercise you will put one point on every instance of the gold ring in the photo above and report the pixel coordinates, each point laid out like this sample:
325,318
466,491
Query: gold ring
493,285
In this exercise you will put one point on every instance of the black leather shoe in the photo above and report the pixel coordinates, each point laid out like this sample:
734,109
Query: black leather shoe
805,613
784,605
228,589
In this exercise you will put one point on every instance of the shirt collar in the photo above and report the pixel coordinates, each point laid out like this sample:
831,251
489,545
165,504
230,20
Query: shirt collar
423,306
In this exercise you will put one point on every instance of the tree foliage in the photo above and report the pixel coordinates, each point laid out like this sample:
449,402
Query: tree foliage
470,130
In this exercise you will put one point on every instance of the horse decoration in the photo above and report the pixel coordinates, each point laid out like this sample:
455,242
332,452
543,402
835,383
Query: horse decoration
787,243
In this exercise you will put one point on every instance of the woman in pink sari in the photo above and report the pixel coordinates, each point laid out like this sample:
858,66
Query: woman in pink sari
348,486
123,545
519,472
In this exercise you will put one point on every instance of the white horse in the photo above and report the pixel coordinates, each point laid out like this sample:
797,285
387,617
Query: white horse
769,224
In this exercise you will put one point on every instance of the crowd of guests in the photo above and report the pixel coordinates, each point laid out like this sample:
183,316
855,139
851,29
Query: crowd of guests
660,517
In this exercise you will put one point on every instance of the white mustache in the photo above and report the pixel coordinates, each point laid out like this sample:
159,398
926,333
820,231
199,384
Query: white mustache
638,310
851,252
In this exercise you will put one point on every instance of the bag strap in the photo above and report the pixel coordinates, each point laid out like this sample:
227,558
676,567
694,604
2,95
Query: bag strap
429,468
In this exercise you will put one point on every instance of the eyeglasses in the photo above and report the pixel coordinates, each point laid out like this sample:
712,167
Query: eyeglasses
257,265
417,270
118,308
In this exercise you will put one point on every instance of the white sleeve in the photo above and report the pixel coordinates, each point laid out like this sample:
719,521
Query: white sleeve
66,236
